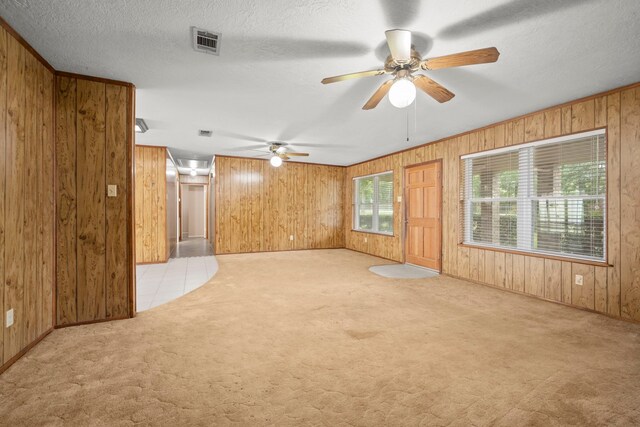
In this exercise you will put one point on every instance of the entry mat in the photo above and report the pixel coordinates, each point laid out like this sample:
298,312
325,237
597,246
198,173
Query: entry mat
402,271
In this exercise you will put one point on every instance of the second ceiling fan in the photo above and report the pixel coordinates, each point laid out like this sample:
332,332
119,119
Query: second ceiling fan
404,61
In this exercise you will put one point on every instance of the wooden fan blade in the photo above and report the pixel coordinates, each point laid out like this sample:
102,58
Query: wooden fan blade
378,95
472,57
433,89
352,76
297,154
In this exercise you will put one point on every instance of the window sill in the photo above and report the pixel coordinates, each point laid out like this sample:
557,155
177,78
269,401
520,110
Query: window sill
379,233
537,255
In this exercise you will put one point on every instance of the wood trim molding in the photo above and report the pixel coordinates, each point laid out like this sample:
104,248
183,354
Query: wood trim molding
91,322
94,79
25,44
22,352
536,255
131,188
290,161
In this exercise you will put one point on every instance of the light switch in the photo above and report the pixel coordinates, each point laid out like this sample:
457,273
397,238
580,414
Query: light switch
112,190
579,279
9,319
399,199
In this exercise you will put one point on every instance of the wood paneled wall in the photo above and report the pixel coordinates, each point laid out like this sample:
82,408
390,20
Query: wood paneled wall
152,245
94,145
173,192
614,290
26,197
258,207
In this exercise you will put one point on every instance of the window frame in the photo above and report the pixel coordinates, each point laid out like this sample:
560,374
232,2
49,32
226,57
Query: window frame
466,201
355,217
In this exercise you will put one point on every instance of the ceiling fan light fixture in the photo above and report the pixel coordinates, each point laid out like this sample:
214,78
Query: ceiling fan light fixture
275,161
402,93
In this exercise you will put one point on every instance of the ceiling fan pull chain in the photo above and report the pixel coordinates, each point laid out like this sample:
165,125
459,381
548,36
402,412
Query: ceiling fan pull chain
407,125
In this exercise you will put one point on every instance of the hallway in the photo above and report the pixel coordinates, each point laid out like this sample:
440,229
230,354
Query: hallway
192,247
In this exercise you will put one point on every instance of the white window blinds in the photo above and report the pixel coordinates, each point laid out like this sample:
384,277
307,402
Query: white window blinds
547,197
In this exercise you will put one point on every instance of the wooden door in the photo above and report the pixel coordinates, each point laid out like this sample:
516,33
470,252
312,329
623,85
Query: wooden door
423,209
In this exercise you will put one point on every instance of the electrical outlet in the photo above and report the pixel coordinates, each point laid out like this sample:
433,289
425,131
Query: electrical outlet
112,190
365,240
9,319
291,237
579,279
399,199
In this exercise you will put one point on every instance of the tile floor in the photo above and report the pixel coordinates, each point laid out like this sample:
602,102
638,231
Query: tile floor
160,283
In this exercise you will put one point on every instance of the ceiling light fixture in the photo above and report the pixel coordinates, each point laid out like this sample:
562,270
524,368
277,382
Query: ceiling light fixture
275,161
193,172
141,126
402,93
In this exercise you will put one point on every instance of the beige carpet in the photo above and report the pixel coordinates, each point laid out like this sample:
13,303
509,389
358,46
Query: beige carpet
312,338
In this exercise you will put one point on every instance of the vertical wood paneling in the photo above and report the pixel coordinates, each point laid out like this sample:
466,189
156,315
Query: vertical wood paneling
3,192
481,265
66,200
48,204
534,127
161,202
302,200
600,113
139,203
93,141
151,204
583,116
553,279
630,203
567,280
600,289
552,123
518,273
490,267
582,296
508,268
566,120
90,171
534,276
500,275
613,204
26,197
473,263
30,195
116,213
14,199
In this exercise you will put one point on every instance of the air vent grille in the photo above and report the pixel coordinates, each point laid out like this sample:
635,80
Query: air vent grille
204,132
206,41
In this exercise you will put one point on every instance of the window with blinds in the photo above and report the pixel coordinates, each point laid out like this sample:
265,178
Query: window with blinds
373,203
547,197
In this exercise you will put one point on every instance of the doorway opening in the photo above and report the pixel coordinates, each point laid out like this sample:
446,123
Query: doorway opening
193,222
423,215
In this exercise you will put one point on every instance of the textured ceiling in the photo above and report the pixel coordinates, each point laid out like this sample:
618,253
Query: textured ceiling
265,85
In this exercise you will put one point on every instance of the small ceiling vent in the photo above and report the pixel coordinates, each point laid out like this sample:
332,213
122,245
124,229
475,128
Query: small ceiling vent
204,132
206,41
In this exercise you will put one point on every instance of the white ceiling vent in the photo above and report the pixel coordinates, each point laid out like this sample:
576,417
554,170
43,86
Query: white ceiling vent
206,41
204,132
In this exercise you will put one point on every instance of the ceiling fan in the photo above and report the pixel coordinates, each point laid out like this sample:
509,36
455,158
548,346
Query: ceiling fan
404,61
279,153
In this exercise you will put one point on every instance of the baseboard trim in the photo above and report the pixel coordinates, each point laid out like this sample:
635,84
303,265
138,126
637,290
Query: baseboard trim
91,322
24,351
